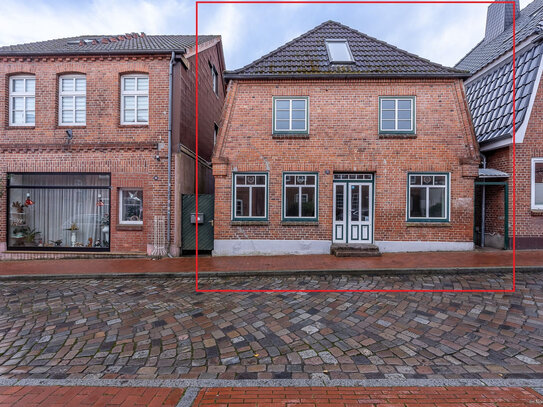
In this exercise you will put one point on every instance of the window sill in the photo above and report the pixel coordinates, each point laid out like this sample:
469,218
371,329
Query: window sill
249,223
20,127
71,126
397,135
122,227
423,224
290,136
299,223
536,212
133,126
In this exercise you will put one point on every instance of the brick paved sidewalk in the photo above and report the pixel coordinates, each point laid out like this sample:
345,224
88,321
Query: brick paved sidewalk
388,261
59,396
369,397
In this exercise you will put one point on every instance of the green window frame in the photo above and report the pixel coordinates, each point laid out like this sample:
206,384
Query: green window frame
397,115
288,113
423,188
303,185
246,187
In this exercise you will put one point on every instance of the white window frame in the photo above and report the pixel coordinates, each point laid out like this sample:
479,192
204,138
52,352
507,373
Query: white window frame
24,95
121,206
305,99
341,41
136,93
396,100
214,79
537,160
299,194
71,94
250,187
447,187
215,133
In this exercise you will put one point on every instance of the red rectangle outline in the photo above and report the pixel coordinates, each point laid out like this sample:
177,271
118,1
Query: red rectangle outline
362,2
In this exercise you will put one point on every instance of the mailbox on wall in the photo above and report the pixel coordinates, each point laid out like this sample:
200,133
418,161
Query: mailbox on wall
200,218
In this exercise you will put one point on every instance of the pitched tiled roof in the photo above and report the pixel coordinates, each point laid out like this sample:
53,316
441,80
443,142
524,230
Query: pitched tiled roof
107,44
490,96
528,22
307,56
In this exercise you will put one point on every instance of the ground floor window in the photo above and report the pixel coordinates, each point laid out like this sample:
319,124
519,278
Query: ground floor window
537,183
428,197
250,196
300,196
58,211
131,206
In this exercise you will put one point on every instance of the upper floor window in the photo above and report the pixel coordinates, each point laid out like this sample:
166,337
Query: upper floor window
214,79
537,183
290,115
22,100
397,114
339,51
135,99
428,197
72,100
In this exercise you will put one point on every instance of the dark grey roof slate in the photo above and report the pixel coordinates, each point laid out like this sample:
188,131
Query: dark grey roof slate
527,23
490,97
104,44
306,56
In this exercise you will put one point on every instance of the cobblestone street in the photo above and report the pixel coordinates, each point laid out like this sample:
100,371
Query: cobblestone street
162,328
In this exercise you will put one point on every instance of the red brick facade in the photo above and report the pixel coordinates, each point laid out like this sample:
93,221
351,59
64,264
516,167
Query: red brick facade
344,137
128,152
528,222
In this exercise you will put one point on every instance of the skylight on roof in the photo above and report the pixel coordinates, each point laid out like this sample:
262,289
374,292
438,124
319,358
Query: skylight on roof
339,51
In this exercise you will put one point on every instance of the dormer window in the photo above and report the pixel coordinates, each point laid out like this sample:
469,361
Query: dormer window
339,51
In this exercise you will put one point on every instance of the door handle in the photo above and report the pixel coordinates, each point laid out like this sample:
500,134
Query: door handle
211,221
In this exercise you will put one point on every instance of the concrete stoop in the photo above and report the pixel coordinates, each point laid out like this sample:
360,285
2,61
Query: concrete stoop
354,250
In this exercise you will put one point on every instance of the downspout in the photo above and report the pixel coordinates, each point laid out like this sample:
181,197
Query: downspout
169,208
483,212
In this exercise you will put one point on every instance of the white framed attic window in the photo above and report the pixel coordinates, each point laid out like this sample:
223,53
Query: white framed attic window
22,100
537,183
214,79
135,99
72,100
339,51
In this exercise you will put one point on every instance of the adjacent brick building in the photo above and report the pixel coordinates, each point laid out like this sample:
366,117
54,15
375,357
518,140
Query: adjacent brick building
337,137
85,141
490,95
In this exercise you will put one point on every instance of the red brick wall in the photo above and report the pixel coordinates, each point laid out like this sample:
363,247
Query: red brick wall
343,136
103,145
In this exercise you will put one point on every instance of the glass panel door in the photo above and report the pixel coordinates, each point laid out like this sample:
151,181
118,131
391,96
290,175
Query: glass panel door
339,224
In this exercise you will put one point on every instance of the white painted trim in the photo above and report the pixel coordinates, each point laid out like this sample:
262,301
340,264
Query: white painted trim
497,144
496,62
250,247
532,183
521,132
421,246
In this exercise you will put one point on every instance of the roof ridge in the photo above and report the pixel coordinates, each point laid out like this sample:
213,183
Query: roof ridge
275,51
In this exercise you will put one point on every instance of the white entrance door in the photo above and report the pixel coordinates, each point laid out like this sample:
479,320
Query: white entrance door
353,212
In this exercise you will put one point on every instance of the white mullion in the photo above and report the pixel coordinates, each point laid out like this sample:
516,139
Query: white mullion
396,103
290,115
427,202
250,199
299,201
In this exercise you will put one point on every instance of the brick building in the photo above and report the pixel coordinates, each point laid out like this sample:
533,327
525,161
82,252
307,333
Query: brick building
337,137
490,95
89,134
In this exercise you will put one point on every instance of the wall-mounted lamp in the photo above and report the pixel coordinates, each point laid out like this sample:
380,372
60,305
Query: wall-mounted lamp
28,202
99,202
69,135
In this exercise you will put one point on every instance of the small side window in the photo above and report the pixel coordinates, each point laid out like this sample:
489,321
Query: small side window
131,206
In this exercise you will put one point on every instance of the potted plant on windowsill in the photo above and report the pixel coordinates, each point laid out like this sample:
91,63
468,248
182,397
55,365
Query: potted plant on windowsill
30,237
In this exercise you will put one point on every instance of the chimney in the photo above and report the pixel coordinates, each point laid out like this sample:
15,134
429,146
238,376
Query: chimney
499,17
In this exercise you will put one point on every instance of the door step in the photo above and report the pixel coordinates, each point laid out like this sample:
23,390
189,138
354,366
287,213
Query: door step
355,250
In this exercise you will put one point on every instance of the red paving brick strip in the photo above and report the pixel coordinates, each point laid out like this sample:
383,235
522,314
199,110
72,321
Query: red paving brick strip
430,260
370,397
57,396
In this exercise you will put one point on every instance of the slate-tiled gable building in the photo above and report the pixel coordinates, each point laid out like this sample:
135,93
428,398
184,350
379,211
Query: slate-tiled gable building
339,138
92,128
490,95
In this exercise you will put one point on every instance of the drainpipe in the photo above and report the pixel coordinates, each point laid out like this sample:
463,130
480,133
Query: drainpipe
169,209
483,212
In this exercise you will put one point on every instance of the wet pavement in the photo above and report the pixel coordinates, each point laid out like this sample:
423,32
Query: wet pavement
162,328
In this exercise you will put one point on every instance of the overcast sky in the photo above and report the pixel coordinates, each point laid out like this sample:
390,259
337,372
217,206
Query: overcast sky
442,33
